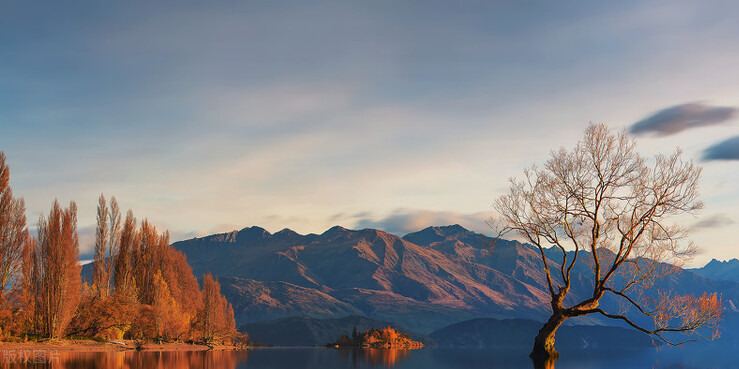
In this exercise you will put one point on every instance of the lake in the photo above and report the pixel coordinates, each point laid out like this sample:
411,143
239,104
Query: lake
321,358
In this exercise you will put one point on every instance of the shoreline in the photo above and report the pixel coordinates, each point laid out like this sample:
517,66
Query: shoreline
94,346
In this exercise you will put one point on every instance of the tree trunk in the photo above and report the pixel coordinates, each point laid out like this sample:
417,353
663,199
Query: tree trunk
544,342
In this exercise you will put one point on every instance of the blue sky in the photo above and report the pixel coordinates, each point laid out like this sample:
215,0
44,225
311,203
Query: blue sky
212,117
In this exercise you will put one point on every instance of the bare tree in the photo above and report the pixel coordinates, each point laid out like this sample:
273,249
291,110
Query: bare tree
605,205
12,230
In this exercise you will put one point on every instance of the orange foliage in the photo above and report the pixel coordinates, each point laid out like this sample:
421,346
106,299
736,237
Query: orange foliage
29,281
154,295
215,321
12,230
147,266
107,241
62,359
382,338
58,273
182,283
385,357
170,323
123,274
12,239
108,317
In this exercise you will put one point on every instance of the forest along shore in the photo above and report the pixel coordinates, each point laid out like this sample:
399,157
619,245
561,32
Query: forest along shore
95,346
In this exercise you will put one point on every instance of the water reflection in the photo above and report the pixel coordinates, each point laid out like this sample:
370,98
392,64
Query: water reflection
547,363
121,359
375,357
321,358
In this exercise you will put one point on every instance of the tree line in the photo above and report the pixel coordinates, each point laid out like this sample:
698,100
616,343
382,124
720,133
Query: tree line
142,288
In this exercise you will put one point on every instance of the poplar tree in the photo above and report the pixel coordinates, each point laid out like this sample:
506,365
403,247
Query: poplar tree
107,241
216,319
57,270
12,230
122,277
99,267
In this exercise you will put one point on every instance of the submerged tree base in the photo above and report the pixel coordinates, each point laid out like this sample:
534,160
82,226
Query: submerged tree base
544,356
543,350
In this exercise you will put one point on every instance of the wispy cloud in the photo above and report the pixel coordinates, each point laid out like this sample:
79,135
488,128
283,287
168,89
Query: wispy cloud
725,150
714,221
678,118
403,221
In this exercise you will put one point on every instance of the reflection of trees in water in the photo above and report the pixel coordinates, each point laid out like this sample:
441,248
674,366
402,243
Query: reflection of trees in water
132,360
386,357
547,363
183,359
376,357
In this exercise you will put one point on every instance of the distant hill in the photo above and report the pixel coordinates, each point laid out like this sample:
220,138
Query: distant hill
304,331
423,281
720,270
520,333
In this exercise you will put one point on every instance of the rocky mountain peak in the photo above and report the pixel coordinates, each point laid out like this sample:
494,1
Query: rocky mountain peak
253,234
431,235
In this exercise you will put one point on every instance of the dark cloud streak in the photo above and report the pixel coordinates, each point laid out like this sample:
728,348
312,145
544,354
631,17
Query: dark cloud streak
678,118
725,150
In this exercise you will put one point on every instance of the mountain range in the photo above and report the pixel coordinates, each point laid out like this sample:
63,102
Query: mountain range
424,281
720,270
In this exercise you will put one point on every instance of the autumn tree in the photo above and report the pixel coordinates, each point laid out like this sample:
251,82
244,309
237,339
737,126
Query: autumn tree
99,268
154,294
157,277
183,286
170,323
102,314
29,282
123,282
57,270
12,231
107,240
603,204
107,317
147,256
215,321
114,240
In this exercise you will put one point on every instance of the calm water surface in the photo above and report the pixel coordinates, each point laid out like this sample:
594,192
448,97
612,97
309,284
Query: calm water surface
305,358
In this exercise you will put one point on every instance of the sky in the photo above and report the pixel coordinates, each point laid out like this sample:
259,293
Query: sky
207,117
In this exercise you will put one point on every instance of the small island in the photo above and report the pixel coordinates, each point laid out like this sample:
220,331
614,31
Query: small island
386,338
